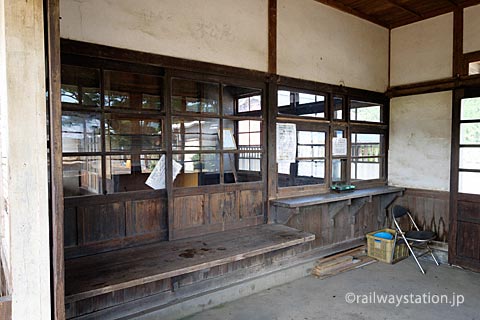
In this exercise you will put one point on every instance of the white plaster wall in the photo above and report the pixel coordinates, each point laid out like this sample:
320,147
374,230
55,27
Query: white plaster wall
228,32
422,51
4,217
471,29
420,141
319,43
24,119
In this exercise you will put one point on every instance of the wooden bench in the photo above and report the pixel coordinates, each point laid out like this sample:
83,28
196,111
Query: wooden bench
96,275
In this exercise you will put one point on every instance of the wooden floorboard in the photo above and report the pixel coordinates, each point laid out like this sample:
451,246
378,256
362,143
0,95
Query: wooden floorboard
93,275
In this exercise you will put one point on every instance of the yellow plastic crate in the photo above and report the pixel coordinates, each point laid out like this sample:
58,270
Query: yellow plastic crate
381,249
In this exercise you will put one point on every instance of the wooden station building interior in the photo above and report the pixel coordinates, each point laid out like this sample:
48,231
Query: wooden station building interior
192,145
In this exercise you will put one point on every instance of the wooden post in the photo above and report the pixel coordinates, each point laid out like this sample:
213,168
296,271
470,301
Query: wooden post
272,36
52,10
458,42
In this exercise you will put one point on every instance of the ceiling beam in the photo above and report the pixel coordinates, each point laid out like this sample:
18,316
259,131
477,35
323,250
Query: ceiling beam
453,3
342,7
404,8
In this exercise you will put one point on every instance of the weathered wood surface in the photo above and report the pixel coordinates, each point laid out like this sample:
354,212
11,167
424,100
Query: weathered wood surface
429,208
333,197
98,274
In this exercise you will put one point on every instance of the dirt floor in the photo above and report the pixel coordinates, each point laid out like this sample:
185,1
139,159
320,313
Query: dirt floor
376,291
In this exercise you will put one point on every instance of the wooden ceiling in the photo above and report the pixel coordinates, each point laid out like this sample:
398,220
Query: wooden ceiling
396,13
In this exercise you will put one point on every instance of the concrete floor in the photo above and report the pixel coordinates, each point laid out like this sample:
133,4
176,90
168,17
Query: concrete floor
311,298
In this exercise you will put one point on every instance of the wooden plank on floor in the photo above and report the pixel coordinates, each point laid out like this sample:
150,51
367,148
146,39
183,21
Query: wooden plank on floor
111,271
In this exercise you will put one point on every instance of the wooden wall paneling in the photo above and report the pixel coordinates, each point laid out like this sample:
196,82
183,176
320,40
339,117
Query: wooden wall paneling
107,300
104,222
216,208
467,244
188,211
71,227
251,203
429,208
469,211
231,207
146,216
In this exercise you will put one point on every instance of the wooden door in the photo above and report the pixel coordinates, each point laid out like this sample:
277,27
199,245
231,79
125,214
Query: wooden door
464,247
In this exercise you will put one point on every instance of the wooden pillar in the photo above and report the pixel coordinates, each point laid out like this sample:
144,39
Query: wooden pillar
52,14
272,36
24,157
458,42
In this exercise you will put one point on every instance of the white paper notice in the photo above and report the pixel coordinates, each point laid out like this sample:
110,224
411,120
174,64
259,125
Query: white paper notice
156,179
228,140
286,142
339,146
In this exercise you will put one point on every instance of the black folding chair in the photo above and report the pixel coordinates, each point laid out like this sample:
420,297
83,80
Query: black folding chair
414,238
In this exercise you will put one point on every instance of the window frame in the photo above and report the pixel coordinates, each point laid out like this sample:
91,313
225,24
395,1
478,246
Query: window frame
259,115
102,111
329,124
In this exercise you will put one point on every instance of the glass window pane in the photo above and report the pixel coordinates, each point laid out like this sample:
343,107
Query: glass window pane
283,98
338,108
304,172
82,176
468,182
470,158
365,111
301,104
129,172
474,68
190,134
470,133
339,169
123,133
238,101
133,91
365,168
81,132
80,86
243,167
366,145
470,109
193,96
197,169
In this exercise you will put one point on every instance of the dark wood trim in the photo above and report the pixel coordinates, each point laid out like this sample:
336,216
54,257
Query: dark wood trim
452,241
318,87
115,197
433,86
272,139
340,6
272,36
169,165
458,43
404,8
132,56
107,245
52,16
389,58
434,13
467,58
424,193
